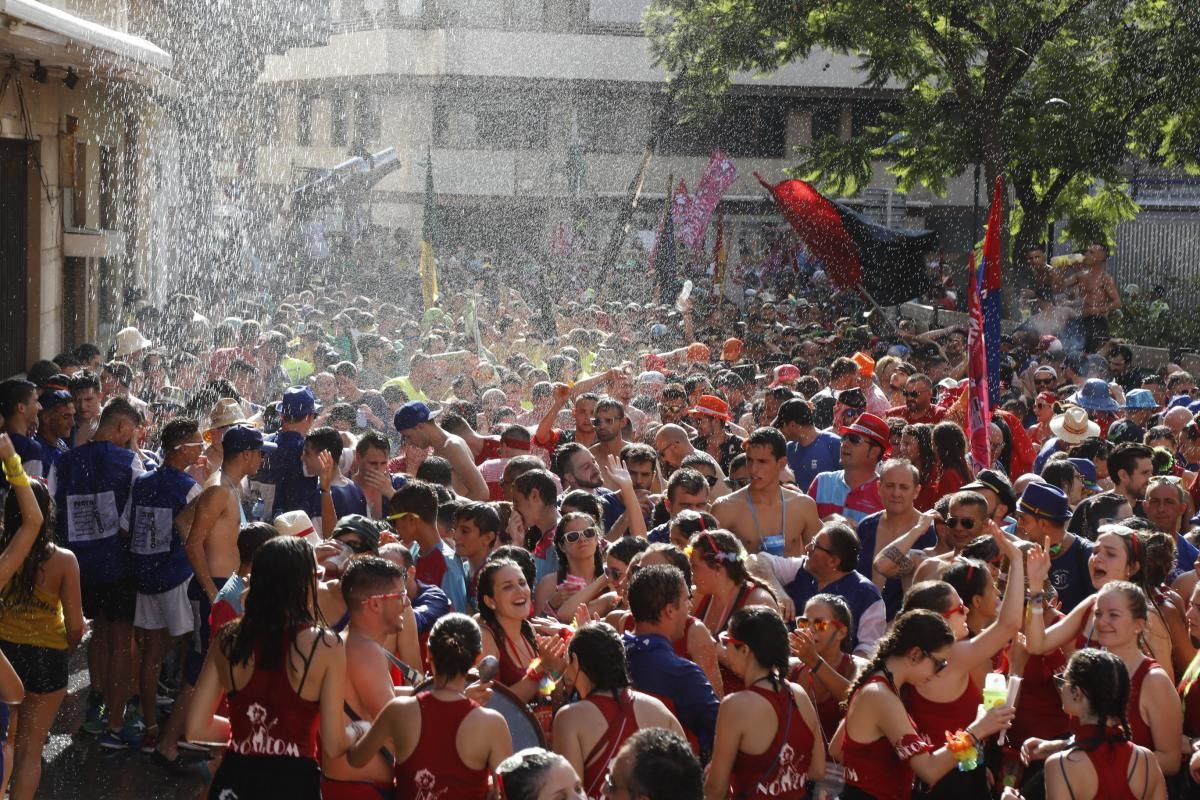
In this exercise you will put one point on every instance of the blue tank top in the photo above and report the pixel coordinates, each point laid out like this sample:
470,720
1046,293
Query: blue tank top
155,549
92,486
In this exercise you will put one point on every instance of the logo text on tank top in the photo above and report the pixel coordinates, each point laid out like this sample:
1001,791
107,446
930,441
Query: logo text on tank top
260,742
788,777
426,785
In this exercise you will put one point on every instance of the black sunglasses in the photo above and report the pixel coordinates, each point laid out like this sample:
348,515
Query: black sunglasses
966,523
939,664
854,438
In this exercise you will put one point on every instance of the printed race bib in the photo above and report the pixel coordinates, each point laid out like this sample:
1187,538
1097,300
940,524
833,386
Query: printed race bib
92,517
152,531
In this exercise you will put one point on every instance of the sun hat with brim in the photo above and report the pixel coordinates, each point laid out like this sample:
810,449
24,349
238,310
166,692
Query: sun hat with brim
226,412
1073,426
130,341
295,523
996,482
173,396
873,428
1045,501
711,406
1140,399
1094,396
412,414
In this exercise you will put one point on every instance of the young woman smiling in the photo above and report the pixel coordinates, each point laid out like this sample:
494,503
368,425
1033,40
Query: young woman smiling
504,601
823,667
581,577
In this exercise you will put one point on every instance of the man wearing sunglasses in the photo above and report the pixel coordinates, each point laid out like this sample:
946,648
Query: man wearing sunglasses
414,519
711,415
918,402
376,599
853,491
966,521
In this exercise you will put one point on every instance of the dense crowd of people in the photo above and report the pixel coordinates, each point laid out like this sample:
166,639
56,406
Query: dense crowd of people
340,548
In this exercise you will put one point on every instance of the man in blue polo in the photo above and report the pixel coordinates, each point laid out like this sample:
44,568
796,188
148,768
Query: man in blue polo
282,482
1042,515
658,600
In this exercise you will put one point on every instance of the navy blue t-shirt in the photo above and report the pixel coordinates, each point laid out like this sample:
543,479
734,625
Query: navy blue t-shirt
1069,574
823,455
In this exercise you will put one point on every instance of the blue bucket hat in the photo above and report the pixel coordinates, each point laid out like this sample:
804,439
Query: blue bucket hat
1086,470
1045,501
1139,399
1094,396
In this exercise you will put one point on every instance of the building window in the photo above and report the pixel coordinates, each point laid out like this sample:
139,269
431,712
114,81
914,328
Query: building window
366,118
490,120
304,104
747,127
826,120
613,123
338,123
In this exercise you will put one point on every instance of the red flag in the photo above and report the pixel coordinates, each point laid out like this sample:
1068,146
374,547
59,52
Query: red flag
979,413
991,242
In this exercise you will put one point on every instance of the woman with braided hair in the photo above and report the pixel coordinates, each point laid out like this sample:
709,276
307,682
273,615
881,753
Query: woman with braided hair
1102,762
723,585
878,744
768,741
1154,712
445,743
589,733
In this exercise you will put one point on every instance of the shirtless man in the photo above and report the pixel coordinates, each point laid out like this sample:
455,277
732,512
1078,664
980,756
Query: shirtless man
1100,296
414,421
374,591
764,515
609,423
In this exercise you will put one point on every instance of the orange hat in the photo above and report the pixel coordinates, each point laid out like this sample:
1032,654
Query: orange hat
866,364
698,352
711,406
732,349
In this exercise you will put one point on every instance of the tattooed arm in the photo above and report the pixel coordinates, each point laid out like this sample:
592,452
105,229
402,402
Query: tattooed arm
897,559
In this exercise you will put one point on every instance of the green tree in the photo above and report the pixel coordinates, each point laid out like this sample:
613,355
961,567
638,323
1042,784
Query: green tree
1058,95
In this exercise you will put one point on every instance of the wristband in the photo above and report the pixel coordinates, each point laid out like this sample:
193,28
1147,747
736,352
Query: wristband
964,746
18,478
816,667
12,464
535,672
1037,599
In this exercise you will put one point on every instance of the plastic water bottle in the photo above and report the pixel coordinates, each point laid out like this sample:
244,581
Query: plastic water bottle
258,512
832,784
685,294
995,690
360,419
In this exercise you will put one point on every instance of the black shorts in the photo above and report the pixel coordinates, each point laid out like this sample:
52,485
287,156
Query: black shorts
247,777
113,602
201,632
42,669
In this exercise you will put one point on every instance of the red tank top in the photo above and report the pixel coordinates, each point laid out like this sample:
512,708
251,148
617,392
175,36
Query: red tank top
511,671
1039,708
874,767
829,710
434,769
730,681
934,719
1110,759
267,717
781,770
620,723
1137,725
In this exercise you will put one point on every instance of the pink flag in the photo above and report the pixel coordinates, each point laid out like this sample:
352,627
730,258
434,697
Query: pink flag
716,179
681,205
979,414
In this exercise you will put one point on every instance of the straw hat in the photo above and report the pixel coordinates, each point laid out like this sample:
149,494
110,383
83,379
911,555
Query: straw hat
226,412
1073,426
129,341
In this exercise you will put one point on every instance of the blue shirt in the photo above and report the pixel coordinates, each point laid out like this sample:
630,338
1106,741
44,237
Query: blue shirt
281,481
32,459
91,486
51,453
893,588
156,551
660,534
656,669
430,605
823,455
1185,556
1070,576
1048,449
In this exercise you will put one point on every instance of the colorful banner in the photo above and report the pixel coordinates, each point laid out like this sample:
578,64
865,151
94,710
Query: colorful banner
716,179
990,289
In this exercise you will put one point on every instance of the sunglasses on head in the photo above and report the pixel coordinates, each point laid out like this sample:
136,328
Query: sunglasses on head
966,523
1060,680
728,640
818,625
571,537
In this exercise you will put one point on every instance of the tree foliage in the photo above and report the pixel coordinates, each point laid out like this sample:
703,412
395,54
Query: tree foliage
1061,96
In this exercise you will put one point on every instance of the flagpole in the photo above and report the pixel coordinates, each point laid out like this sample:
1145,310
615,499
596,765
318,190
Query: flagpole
865,295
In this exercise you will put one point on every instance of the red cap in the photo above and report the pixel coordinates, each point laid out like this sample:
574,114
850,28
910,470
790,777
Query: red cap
711,406
873,428
785,373
698,352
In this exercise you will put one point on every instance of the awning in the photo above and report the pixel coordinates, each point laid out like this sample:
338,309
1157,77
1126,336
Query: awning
33,30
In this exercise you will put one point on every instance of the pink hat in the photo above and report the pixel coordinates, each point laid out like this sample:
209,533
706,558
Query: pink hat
785,373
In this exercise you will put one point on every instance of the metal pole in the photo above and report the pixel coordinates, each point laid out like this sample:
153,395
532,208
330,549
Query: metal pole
975,209
862,291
